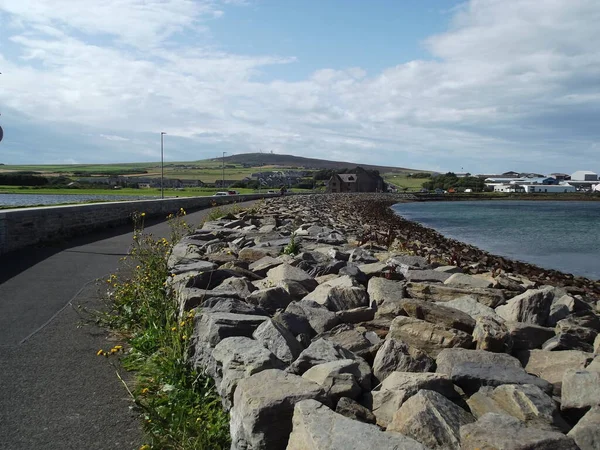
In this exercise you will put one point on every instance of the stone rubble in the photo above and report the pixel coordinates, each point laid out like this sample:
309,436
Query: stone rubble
327,322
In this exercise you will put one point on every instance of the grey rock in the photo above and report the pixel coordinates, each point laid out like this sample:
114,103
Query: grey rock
192,266
296,290
428,337
212,327
426,275
412,261
431,419
500,431
348,337
532,306
448,359
316,427
319,317
491,334
595,364
525,402
353,271
551,366
184,252
210,279
235,287
354,410
463,280
239,358
442,293
470,376
360,255
333,238
342,281
338,378
339,298
437,314
449,269
397,356
470,306
597,345
356,315
319,352
580,391
586,433
294,323
291,273
373,269
567,341
270,299
253,254
231,305
263,406
381,290
398,387
278,340
263,265
526,336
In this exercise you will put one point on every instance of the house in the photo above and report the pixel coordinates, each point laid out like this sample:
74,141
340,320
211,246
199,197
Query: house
359,181
191,183
584,175
144,185
545,188
508,187
511,174
561,176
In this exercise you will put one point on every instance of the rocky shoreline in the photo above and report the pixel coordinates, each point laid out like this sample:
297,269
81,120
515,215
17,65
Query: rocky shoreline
328,322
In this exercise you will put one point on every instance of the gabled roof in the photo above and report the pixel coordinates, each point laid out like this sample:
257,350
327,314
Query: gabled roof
347,177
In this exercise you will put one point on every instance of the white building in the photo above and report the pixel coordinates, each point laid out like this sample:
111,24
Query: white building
550,188
508,187
584,175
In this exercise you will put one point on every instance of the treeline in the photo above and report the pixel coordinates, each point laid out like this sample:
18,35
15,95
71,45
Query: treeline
22,179
450,180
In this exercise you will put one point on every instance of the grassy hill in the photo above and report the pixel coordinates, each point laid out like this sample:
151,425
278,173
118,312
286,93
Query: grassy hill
299,162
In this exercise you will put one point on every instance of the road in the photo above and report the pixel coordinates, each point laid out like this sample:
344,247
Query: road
55,393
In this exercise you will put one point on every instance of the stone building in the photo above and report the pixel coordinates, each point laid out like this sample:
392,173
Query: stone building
359,181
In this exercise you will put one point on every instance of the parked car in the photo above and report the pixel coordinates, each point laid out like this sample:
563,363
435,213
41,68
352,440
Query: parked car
271,191
220,194
233,193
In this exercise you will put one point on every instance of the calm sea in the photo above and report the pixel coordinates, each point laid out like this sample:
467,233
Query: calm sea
17,200
560,235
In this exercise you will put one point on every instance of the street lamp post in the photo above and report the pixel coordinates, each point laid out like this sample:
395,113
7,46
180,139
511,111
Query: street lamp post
162,164
223,176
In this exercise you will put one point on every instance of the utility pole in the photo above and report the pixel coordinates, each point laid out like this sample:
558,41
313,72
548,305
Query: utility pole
223,177
162,165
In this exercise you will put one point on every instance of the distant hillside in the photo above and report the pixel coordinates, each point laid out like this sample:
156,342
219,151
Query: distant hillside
271,159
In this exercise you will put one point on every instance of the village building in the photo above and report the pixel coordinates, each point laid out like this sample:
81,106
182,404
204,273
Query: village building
359,181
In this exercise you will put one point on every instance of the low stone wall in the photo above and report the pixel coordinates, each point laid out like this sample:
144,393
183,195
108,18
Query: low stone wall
24,227
323,330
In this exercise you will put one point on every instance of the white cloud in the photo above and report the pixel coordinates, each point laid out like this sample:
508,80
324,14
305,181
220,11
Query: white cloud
510,82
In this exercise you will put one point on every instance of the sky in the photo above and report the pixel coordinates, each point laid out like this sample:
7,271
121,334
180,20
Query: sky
480,86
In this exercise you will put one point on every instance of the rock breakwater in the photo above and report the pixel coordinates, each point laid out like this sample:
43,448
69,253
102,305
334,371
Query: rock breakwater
327,322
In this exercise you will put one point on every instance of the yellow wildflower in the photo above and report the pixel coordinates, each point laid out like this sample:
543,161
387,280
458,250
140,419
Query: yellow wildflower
145,391
182,323
99,352
174,329
143,215
184,337
145,447
118,347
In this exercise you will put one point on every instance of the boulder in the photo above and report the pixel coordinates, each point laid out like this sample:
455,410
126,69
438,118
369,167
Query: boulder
586,433
263,265
448,359
296,289
348,337
470,306
319,317
567,341
428,337
361,255
551,366
431,419
442,293
339,298
231,305
398,387
438,314
411,261
595,364
471,376
263,406
426,276
253,254
396,356
381,290
239,358
449,269
316,427
340,378
192,265
500,431
234,287
270,299
491,334
463,280
281,342
526,336
525,402
580,391
356,315
354,272
597,345
354,410
319,352
373,269
212,327
286,272
532,306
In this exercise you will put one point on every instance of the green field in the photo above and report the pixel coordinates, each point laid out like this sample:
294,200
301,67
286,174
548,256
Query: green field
404,181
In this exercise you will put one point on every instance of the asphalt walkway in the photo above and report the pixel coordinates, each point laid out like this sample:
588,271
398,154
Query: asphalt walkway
55,393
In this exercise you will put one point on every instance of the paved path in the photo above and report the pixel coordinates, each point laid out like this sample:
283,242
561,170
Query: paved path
55,393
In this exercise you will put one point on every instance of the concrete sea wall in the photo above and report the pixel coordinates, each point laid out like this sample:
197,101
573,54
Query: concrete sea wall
24,227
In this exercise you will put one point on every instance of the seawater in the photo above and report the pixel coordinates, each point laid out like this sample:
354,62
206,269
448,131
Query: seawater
17,200
561,235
